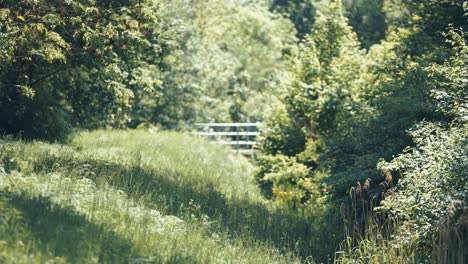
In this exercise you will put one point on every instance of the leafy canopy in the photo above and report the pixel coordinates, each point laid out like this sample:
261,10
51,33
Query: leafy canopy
75,63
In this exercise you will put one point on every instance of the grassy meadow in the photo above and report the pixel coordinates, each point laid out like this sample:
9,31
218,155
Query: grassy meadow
141,197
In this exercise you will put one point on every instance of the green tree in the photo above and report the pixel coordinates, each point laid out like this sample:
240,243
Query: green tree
366,17
77,63
353,108
329,70
226,61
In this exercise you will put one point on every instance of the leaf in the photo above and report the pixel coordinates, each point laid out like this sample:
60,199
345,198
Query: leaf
26,91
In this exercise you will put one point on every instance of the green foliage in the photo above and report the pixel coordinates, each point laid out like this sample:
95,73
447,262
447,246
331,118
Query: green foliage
367,18
432,15
279,133
395,99
325,91
433,172
301,13
450,78
317,89
77,63
132,63
432,175
355,109
289,183
329,116
226,64
427,207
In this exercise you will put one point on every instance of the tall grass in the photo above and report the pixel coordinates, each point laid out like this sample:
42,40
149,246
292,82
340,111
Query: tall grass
450,241
133,196
373,236
376,244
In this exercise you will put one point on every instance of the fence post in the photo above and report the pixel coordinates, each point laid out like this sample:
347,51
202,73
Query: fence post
237,138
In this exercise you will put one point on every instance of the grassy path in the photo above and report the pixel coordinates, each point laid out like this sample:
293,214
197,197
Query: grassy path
134,197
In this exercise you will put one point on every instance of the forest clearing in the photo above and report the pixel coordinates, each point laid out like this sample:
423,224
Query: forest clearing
233,131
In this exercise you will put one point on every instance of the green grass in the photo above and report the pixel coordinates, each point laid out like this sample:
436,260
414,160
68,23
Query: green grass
135,196
370,238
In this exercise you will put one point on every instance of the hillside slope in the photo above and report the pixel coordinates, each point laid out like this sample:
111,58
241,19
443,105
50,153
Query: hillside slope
133,197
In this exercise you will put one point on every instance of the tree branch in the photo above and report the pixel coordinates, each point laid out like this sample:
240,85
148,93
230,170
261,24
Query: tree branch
44,77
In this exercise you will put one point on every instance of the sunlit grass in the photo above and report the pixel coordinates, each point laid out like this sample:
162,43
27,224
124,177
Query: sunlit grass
177,156
134,196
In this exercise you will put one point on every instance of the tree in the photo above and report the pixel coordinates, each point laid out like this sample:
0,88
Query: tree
77,63
431,193
328,72
353,109
226,61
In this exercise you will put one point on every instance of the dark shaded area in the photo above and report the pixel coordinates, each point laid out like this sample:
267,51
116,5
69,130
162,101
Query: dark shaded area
65,233
300,12
367,18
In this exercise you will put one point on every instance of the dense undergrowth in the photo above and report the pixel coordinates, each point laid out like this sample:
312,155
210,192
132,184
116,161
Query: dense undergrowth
134,196
379,133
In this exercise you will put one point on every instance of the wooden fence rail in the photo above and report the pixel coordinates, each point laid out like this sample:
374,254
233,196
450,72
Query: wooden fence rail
241,136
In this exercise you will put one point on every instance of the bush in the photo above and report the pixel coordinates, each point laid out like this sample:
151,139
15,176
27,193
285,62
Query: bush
284,180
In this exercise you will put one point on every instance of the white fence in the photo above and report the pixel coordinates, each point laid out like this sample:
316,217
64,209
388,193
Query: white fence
241,136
